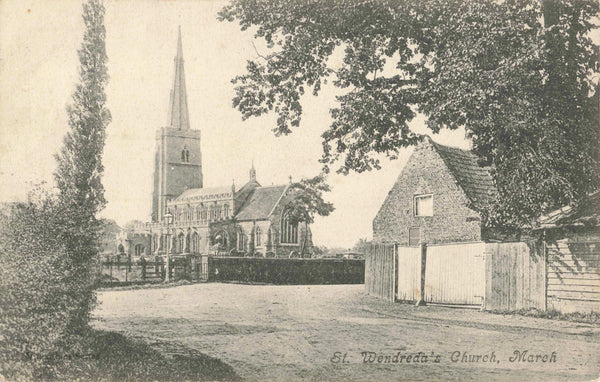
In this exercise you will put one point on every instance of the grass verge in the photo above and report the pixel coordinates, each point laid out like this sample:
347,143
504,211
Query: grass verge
111,356
588,318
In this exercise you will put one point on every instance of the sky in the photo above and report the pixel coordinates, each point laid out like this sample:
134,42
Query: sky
39,70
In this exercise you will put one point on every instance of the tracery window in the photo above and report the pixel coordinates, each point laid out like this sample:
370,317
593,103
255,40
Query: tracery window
195,243
185,155
226,211
289,230
257,237
139,249
240,239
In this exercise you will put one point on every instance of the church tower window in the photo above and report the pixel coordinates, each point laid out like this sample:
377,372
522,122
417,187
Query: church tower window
185,155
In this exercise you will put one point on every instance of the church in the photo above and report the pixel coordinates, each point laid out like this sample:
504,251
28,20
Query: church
189,219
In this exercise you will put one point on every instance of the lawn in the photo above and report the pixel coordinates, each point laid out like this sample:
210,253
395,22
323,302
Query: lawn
109,356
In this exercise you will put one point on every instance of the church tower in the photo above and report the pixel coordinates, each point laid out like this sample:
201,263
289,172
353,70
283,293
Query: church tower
178,159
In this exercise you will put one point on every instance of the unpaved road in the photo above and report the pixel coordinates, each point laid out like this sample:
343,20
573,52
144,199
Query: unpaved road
288,333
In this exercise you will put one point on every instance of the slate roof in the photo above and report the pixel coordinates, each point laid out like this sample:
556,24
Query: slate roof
193,192
259,204
475,180
242,195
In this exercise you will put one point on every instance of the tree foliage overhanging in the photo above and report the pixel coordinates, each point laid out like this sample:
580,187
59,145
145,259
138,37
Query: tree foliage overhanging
518,75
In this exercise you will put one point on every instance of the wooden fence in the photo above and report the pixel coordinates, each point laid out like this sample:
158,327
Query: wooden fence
124,272
409,274
192,268
574,276
455,273
380,273
564,276
515,276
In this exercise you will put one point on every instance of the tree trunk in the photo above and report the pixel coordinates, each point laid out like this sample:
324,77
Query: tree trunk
304,239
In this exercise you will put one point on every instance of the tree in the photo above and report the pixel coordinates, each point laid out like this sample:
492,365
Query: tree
308,201
79,171
361,246
518,75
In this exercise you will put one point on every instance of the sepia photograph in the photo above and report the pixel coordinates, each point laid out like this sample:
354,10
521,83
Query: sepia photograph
299,190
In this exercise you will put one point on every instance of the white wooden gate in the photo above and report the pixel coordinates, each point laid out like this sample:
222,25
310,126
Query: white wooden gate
409,273
455,273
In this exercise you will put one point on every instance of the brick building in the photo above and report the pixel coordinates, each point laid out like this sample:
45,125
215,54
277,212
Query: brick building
217,220
436,198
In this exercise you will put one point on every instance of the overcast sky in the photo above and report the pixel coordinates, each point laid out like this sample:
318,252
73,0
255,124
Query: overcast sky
39,67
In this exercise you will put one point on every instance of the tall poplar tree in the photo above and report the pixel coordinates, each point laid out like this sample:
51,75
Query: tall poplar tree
79,171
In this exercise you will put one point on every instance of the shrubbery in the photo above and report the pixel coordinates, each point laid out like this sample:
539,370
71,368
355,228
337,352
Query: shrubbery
40,288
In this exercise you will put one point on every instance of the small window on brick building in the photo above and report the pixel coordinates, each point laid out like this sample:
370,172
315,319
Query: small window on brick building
414,235
423,205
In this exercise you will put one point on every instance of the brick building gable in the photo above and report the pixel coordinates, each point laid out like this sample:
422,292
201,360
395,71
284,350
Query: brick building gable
456,185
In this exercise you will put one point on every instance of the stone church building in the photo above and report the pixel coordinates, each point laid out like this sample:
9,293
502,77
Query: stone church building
190,219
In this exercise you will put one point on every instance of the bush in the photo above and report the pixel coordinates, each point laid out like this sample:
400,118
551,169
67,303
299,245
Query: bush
40,289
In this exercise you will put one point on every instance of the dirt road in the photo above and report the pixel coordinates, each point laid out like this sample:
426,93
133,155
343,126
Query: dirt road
335,332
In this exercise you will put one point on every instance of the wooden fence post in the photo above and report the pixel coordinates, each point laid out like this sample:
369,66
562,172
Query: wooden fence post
143,264
421,300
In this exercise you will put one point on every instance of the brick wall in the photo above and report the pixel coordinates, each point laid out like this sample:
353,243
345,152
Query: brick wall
426,173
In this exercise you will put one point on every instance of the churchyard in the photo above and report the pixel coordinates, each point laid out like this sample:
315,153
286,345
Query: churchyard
337,332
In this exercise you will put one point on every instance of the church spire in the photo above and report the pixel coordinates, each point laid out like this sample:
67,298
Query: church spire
178,108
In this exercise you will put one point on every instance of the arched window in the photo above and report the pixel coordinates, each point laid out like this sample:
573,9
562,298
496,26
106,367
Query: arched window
175,214
180,243
221,238
226,210
154,243
240,239
289,230
139,249
203,212
185,155
195,242
198,213
257,237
